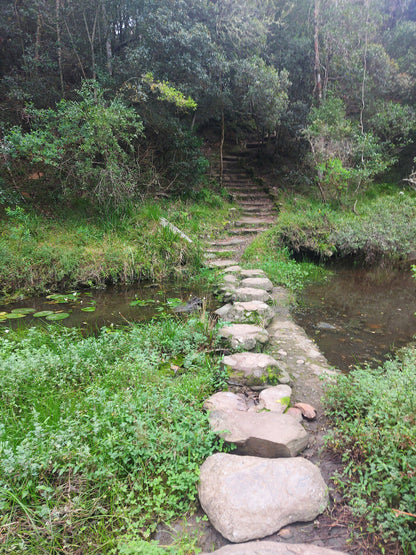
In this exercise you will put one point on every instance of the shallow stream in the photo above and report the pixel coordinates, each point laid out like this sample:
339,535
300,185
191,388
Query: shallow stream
359,315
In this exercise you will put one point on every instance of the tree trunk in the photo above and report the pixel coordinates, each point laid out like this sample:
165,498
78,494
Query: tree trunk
108,49
317,67
222,146
59,44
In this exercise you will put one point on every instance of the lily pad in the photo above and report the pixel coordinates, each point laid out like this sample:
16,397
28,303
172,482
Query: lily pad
23,310
15,316
43,313
88,309
58,316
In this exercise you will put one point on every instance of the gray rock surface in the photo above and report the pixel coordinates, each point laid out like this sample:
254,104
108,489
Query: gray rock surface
258,283
260,434
245,294
252,273
225,401
233,269
244,336
252,312
274,548
251,368
276,398
247,498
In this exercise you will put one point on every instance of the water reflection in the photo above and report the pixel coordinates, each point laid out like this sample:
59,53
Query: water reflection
112,306
371,312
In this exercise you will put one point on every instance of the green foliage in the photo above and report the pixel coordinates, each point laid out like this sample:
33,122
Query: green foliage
100,430
169,93
263,92
87,146
344,157
373,413
383,226
266,253
40,255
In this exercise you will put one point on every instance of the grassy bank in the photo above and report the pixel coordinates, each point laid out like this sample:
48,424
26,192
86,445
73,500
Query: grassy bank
40,254
373,416
382,227
101,437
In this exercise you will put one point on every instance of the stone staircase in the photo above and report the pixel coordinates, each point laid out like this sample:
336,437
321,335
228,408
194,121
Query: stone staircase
264,489
255,214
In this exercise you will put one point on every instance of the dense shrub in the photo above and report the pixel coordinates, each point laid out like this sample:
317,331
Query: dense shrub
373,413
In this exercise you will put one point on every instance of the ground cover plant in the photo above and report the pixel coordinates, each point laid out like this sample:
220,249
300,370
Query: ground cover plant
101,437
267,253
373,416
382,226
71,249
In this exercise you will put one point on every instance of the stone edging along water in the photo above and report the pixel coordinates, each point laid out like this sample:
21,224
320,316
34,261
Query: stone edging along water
265,485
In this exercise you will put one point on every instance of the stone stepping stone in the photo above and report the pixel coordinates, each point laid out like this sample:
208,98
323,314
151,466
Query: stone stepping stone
247,230
251,312
251,368
222,263
255,273
260,434
253,221
247,498
227,242
225,401
258,283
275,399
274,548
232,269
230,279
244,336
244,294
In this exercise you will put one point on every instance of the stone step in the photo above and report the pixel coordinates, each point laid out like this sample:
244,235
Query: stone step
260,434
274,548
253,221
227,242
248,498
244,336
257,209
247,188
219,250
222,263
247,231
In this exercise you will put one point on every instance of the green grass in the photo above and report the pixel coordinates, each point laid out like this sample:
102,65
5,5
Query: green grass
102,437
266,253
69,250
373,414
383,226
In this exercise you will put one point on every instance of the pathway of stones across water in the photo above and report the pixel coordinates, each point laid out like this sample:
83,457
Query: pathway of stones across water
272,495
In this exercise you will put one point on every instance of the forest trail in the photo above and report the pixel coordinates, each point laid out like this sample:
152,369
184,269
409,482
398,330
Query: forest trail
303,367
255,213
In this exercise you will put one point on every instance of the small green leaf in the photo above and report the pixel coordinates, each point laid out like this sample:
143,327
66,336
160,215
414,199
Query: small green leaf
57,316
43,313
88,309
23,310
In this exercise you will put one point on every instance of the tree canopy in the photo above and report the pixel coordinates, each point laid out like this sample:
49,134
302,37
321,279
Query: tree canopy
183,65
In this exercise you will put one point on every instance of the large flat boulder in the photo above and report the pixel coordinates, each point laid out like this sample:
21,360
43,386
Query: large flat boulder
248,498
260,434
244,336
251,369
274,548
258,283
251,312
244,294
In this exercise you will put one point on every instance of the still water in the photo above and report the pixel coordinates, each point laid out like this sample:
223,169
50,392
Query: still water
359,315
91,310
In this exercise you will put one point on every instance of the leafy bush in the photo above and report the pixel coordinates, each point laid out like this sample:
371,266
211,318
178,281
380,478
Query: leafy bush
101,435
87,146
373,413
